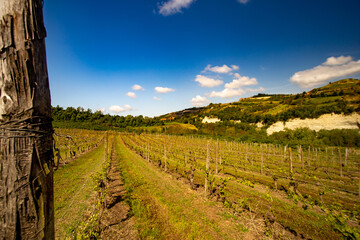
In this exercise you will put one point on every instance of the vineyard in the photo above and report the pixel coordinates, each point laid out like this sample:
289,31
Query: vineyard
312,192
70,143
261,190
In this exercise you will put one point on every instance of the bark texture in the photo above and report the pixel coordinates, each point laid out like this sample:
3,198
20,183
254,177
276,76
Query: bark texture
26,157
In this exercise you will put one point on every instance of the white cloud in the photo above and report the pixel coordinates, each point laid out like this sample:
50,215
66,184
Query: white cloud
234,88
199,101
332,61
221,69
331,69
243,1
207,82
173,6
131,94
228,93
128,107
119,109
164,90
157,98
241,81
137,87
234,67
103,110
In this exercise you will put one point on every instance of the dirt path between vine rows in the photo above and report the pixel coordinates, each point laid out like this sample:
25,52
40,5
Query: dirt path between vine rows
117,221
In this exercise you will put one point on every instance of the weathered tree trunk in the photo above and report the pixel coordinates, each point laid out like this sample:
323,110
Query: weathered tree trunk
26,157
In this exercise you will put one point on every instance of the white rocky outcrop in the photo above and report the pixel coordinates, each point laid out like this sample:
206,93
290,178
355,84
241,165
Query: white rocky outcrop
326,122
210,120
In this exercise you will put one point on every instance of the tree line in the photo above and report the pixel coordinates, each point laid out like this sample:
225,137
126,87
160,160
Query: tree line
86,119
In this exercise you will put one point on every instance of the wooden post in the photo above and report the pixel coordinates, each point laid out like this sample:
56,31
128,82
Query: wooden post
346,156
290,161
165,160
69,149
26,154
301,157
220,157
309,152
262,158
246,152
252,158
340,163
207,169
216,156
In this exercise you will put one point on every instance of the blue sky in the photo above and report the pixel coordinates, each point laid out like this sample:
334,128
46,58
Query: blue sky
185,53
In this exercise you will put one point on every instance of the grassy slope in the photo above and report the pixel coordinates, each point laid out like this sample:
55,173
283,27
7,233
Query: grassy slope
168,209
72,188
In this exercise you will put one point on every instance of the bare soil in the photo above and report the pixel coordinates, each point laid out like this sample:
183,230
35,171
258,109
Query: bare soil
116,221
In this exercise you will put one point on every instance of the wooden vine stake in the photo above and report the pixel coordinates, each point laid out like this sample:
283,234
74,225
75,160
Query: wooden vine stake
301,157
246,152
26,154
220,156
207,169
216,156
69,148
309,152
290,161
340,163
346,156
262,159
165,160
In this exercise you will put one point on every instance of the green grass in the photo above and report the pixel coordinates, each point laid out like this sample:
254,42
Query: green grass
323,100
72,189
277,109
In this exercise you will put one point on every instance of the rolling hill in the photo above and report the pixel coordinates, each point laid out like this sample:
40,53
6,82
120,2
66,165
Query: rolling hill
339,97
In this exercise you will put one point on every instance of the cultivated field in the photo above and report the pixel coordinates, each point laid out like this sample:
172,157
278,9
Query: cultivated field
184,187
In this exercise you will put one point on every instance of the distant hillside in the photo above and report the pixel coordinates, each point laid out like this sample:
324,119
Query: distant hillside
342,96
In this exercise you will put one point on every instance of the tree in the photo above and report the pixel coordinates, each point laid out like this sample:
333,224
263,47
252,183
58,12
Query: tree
26,157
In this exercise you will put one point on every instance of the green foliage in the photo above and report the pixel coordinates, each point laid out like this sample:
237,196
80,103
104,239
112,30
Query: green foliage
306,137
339,222
246,182
79,118
340,137
89,229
